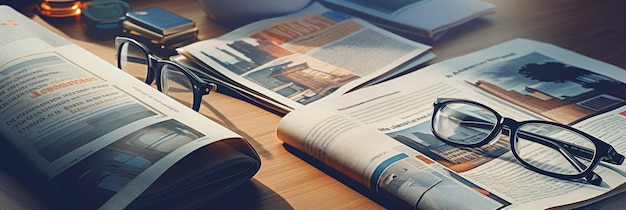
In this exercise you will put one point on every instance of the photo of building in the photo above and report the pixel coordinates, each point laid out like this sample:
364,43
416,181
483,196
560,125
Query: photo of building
557,91
106,171
457,159
242,56
301,81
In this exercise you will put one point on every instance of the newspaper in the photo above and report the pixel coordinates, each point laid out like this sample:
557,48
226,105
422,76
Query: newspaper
101,137
380,135
304,57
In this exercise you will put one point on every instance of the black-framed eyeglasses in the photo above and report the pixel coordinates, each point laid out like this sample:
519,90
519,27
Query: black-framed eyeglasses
169,77
545,147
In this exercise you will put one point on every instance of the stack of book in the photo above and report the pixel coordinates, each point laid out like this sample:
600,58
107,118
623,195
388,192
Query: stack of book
160,29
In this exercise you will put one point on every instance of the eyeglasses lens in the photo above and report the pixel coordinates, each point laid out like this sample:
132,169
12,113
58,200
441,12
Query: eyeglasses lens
134,61
554,149
464,124
176,84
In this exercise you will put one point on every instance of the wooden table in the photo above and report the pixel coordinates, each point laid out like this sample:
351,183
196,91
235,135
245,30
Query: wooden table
288,179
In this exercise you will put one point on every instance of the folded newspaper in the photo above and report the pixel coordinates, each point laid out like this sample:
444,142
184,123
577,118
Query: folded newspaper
381,135
99,138
291,61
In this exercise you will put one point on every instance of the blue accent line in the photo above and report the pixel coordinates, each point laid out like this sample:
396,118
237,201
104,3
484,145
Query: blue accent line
379,170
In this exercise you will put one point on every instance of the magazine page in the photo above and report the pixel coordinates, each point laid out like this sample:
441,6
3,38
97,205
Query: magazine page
382,133
228,86
236,91
303,57
99,135
424,18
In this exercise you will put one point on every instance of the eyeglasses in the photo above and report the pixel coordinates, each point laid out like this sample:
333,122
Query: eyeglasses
545,147
171,78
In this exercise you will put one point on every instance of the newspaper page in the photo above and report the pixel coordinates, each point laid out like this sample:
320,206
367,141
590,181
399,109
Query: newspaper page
304,57
381,136
101,136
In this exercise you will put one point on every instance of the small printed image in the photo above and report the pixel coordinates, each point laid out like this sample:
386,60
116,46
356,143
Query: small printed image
241,56
457,159
82,132
302,80
96,178
548,87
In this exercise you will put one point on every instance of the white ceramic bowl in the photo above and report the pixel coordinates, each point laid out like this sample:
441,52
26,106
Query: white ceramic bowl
245,11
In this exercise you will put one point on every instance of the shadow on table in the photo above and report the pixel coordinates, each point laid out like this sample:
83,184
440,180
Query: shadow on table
250,195
22,187
386,202
22,183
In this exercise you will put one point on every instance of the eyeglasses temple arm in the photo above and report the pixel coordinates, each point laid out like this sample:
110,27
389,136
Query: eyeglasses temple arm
562,147
611,157
592,178
547,141
567,150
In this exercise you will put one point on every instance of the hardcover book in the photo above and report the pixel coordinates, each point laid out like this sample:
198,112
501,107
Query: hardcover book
185,34
160,20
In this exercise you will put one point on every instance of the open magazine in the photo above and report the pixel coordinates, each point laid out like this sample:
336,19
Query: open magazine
381,137
291,61
101,138
421,19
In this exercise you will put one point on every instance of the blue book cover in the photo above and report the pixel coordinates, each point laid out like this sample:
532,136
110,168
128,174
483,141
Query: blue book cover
159,20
